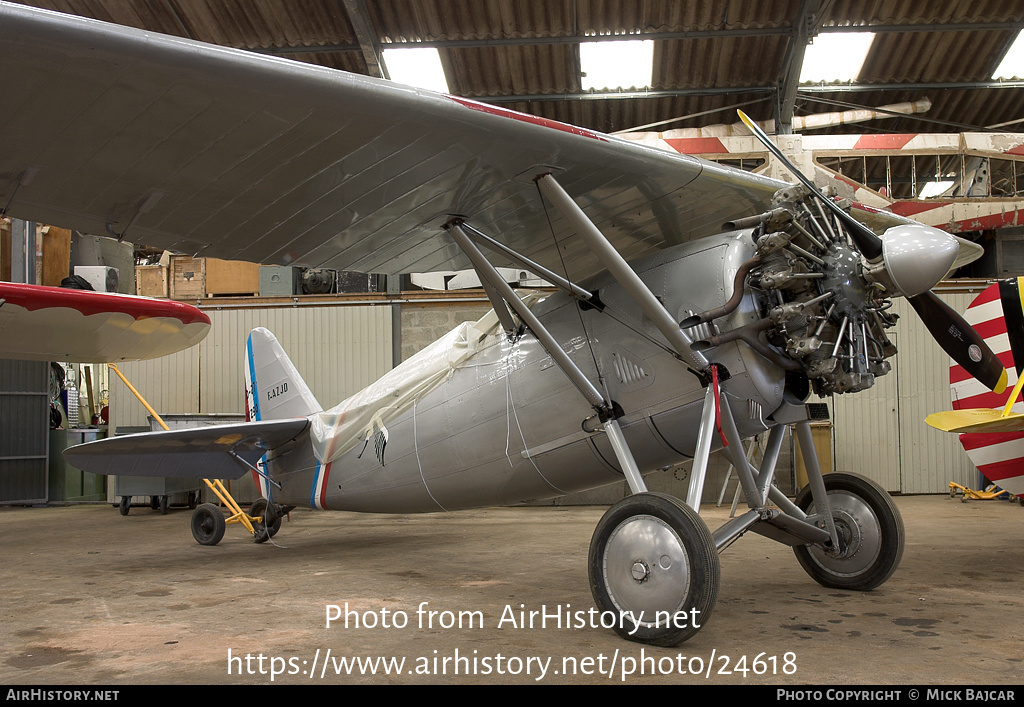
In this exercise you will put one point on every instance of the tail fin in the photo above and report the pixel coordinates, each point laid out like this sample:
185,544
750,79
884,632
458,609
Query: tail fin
274,390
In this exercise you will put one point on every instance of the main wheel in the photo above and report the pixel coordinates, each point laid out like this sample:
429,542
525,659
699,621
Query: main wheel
653,567
208,524
870,532
271,522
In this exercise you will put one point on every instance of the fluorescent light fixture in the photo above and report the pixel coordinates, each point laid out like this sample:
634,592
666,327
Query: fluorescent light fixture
835,56
1012,65
416,67
933,189
617,64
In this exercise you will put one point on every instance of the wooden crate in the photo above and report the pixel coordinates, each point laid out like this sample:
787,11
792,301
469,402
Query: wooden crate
151,280
187,277
232,277
56,250
5,249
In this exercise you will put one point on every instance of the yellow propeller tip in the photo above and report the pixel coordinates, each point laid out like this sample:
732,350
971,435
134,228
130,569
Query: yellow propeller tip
1001,385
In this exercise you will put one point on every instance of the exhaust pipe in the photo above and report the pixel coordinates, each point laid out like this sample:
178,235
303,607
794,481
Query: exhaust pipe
728,307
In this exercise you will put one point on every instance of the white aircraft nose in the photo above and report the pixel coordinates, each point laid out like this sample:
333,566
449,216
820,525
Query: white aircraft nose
917,256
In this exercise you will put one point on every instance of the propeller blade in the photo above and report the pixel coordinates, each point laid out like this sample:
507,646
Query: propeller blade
958,339
867,241
950,331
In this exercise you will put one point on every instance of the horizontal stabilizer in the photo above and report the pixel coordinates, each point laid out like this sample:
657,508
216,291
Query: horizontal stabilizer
193,453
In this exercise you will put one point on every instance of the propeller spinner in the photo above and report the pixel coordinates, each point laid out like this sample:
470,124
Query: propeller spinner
909,260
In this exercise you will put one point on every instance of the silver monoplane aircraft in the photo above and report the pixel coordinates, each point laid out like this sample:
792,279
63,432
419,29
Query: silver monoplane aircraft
710,333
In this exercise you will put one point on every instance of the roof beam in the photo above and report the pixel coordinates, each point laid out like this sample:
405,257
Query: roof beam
369,43
737,90
927,27
803,31
594,96
916,86
696,34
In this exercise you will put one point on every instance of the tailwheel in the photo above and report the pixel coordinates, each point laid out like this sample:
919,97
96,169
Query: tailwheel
208,524
270,523
654,566
870,530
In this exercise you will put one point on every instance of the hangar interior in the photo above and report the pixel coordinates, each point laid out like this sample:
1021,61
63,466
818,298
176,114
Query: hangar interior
927,127
927,106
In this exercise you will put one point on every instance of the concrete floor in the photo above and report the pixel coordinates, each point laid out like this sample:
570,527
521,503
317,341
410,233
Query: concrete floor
91,597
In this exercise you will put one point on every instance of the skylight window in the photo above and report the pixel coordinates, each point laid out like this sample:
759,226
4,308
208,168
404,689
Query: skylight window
416,67
933,189
613,65
836,56
1012,65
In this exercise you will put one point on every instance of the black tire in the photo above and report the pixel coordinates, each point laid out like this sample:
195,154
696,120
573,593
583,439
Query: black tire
154,503
193,500
870,528
125,505
271,523
165,505
208,524
653,556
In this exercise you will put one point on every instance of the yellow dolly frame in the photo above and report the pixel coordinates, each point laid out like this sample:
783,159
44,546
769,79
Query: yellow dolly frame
216,485
970,494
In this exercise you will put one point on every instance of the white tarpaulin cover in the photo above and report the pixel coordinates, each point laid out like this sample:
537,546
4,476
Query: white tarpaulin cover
364,415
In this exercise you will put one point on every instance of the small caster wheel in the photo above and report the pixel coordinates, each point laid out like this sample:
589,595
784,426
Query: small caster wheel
208,524
165,505
125,505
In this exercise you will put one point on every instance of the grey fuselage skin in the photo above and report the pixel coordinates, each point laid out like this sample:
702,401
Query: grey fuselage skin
509,426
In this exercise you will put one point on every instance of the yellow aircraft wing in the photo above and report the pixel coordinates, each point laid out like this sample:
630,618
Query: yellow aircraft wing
981,419
976,420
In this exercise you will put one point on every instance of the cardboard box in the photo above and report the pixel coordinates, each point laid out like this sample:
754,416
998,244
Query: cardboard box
232,277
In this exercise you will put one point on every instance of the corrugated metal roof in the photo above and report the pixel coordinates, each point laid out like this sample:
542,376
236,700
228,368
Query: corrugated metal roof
707,55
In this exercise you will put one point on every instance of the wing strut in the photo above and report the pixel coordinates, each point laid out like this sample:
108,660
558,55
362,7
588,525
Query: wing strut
624,274
524,262
606,409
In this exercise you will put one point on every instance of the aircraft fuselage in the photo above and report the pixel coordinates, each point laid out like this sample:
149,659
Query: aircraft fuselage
509,426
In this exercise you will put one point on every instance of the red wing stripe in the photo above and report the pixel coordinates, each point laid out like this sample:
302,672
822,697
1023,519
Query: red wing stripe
997,471
978,440
989,294
958,374
993,327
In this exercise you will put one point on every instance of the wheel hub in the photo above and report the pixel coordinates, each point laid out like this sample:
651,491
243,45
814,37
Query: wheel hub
646,569
860,538
640,571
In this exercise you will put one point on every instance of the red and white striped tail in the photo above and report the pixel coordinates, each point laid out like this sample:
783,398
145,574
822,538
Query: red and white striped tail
997,314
